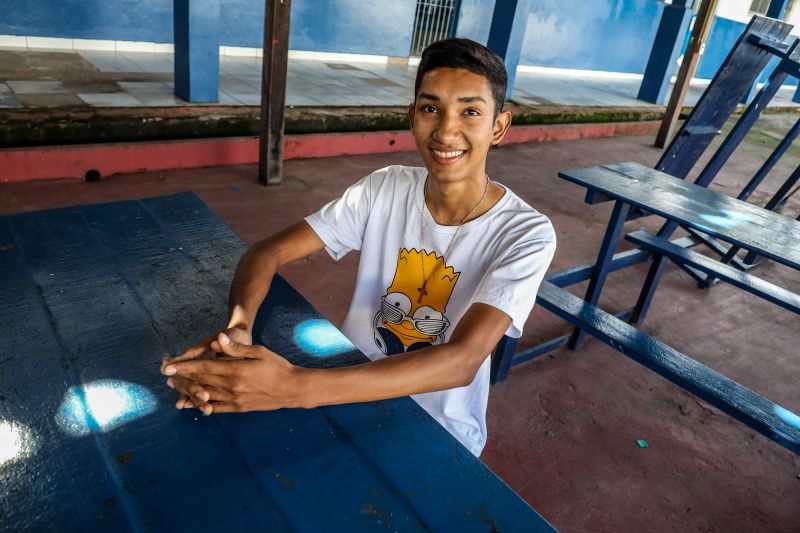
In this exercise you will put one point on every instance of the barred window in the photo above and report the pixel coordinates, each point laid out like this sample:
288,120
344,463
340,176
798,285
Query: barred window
434,20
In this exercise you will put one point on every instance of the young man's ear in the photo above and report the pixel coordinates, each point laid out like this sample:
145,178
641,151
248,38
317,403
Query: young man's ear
411,110
501,125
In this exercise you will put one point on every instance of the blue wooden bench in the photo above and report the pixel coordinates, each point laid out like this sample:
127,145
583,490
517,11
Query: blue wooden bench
730,397
694,261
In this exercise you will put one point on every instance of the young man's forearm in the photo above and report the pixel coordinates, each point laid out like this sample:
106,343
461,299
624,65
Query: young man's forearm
258,265
250,284
434,368
439,367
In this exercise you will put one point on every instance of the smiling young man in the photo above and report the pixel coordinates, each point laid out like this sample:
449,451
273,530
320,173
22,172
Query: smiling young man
450,261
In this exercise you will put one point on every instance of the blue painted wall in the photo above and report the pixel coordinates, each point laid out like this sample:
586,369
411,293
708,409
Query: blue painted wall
242,22
120,20
611,35
720,40
353,26
475,19
348,26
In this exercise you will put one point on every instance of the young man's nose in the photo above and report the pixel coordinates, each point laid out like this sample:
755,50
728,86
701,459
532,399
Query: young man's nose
407,324
447,129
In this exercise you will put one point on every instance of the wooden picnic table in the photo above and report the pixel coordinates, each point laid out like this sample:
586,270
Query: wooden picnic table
94,296
683,204
743,225
746,225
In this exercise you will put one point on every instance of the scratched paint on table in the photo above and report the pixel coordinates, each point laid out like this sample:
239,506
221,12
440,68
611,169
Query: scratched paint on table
320,338
103,405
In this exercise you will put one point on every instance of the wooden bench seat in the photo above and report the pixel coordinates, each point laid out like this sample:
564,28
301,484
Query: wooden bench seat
752,409
683,256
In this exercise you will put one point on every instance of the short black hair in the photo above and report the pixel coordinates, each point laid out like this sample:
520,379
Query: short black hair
469,55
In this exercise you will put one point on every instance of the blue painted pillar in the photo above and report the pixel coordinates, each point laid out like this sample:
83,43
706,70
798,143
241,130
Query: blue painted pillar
777,9
196,49
506,34
664,55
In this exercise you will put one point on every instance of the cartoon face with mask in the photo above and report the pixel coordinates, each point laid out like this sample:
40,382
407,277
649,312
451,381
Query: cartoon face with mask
412,314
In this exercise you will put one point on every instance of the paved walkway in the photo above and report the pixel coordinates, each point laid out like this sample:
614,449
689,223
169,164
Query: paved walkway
142,79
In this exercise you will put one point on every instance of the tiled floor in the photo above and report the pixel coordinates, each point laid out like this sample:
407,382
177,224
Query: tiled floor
144,79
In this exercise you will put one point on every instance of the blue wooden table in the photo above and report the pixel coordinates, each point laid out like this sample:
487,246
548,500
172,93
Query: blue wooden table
742,225
94,296
730,220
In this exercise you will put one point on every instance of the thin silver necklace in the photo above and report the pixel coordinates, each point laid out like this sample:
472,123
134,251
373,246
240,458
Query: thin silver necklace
421,290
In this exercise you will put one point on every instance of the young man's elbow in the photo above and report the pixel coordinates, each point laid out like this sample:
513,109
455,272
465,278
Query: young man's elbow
472,357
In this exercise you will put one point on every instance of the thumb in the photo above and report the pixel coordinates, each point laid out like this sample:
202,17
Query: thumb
236,349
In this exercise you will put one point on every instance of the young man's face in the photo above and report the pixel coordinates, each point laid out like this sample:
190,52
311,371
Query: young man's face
453,123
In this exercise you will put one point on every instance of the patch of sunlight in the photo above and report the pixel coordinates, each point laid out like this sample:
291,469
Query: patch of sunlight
103,405
16,442
320,338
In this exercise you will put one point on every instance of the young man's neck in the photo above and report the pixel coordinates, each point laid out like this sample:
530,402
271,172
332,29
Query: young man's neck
450,201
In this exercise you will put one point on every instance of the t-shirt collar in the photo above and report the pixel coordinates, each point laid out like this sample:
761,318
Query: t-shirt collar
468,226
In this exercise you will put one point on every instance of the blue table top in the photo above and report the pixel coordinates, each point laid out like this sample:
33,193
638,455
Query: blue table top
746,225
94,296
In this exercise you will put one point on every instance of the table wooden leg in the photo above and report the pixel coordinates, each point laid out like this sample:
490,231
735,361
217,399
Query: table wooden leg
653,277
648,290
603,265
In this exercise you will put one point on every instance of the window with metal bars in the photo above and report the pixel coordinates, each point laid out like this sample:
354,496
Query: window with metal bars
434,20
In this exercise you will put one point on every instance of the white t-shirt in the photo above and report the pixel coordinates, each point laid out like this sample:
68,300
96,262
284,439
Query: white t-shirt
499,259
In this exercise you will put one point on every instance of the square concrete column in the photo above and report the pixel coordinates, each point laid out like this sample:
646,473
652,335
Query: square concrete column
196,49
664,55
507,33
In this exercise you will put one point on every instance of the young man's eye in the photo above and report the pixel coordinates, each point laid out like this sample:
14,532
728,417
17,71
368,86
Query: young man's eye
473,112
428,109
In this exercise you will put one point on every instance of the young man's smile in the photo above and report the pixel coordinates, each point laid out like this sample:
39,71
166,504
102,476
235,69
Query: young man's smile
447,157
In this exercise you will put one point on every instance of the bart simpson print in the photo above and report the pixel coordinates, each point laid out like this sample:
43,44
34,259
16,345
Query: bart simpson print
412,314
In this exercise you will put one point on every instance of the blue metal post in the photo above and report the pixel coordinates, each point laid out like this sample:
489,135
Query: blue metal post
777,9
506,34
664,54
196,49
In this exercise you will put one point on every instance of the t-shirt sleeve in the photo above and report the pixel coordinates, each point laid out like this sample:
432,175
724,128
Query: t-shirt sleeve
512,282
342,222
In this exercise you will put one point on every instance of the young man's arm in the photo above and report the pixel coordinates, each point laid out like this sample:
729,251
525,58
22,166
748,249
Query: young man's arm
258,266
248,289
261,380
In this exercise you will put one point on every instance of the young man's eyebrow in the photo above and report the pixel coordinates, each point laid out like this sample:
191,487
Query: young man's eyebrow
463,99
468,99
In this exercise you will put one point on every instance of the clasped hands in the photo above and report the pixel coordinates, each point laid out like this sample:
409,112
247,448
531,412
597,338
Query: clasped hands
226,373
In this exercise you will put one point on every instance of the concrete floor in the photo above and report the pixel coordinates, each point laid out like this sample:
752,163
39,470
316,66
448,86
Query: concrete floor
563,428
91,78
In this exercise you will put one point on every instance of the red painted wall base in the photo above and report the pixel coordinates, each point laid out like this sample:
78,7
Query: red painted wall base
52,162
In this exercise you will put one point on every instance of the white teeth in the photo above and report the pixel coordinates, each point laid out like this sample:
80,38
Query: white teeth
448,155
